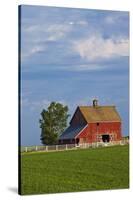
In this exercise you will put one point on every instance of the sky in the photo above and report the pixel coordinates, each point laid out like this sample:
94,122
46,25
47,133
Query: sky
72,56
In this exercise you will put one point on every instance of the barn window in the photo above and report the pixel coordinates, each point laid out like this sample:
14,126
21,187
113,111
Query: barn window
97,124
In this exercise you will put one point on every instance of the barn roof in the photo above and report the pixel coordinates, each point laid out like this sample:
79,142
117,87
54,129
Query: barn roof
71,132
100,113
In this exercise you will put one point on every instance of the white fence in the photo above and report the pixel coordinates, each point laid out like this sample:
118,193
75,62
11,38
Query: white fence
72,146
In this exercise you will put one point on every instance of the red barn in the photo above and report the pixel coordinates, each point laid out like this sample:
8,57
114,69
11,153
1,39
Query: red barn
93,124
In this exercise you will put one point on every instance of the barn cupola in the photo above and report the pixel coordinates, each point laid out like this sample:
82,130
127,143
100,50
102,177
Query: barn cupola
95,103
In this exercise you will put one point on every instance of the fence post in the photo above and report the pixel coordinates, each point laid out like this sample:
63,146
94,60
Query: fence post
36,148
97,144
56,147
46,148
66,146
25,149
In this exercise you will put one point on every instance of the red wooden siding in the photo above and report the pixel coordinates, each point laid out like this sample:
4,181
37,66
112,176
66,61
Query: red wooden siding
93,131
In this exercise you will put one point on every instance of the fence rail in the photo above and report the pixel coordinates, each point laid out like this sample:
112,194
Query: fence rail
72,146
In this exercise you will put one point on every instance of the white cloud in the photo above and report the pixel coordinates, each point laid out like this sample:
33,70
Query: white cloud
48,29
58,31
32,28
56,36
37,49
110,20
31,50
82,23
34,35
71,23
115,18
96,47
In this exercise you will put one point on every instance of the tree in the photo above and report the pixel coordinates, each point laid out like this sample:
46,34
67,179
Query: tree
53,122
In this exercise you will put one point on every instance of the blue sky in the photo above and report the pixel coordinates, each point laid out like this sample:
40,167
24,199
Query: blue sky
72,56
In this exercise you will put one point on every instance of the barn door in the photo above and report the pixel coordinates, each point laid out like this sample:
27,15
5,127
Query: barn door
105,138
77,141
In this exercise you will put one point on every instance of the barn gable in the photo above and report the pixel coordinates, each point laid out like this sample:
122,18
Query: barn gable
78,118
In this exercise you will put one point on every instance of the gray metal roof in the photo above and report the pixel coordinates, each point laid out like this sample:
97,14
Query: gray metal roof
71,132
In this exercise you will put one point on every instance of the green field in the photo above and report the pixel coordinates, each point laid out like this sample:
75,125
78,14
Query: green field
75,170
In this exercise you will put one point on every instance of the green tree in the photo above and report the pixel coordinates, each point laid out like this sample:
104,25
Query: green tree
53,122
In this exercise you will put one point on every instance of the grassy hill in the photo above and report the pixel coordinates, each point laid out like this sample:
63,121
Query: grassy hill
76,170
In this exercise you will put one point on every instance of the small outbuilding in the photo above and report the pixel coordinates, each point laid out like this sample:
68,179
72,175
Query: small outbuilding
93,124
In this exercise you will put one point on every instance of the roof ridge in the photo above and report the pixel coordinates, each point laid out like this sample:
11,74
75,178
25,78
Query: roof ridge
98,106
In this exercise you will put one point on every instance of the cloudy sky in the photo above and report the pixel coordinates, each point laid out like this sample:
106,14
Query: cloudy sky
72,56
